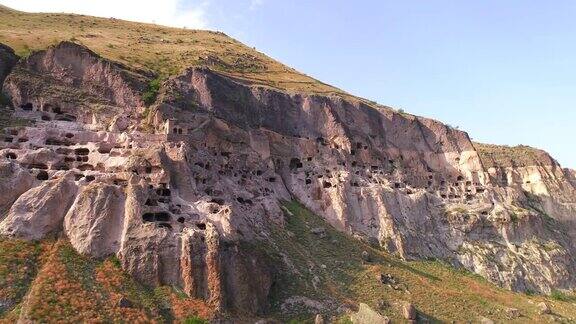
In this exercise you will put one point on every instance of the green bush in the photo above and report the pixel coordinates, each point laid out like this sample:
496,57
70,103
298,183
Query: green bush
4,101
195,320
558,295
149,96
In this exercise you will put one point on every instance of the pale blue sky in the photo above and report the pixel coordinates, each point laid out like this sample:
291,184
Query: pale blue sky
505,71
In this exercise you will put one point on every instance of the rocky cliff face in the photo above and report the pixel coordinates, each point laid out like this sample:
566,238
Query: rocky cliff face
7,61
176,190
571,175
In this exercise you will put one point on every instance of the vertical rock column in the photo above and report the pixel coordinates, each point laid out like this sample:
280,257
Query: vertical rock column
200,264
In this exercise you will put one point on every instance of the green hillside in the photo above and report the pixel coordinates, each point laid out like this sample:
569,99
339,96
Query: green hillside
163,50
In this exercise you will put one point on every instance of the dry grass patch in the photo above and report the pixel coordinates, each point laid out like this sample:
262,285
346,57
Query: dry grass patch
511,156
18,266
439,291
71,288
164,50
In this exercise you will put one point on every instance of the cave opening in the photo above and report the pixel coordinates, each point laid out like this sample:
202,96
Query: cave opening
82,151
42,176
295,163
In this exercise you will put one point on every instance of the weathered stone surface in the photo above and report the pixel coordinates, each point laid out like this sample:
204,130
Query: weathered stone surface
426,197
365,256
409,311
367,315
95,222
543,308
14,181
178,194
512,313
74,66
7,61
40,210
125,303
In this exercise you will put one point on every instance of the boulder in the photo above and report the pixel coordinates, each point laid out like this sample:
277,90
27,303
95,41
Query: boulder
512,313
409,311
125,303
95,222
40,210
14,181
543,308
365,256
367,315
319,231
387,279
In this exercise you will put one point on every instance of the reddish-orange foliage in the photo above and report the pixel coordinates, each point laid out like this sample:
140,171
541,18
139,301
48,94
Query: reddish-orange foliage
62,295
70,288
112,280
18,260
187,307
55,297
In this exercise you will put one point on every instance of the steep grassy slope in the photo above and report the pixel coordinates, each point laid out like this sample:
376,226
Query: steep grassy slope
62,286
163,50
508,156
19,263
330,268
50,282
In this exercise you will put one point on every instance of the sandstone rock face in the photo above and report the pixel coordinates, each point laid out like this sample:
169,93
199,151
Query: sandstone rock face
7,60
367,315
409,311
69,82
95,221
14,181
421,188
543,308
40,210
180,194
571,175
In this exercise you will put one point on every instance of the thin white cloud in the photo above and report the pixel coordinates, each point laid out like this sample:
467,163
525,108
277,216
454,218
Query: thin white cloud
165,12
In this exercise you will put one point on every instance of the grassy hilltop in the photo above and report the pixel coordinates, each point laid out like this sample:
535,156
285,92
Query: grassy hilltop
162,50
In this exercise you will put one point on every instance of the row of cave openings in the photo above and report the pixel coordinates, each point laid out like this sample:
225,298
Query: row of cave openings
41,169
204,167
163,218
59,114
295,164
161,195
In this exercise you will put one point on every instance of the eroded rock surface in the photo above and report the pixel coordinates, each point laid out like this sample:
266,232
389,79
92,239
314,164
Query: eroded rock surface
179,190
7,61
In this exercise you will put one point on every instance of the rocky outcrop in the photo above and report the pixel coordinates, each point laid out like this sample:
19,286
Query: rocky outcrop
95,221
7,61
70,82
571,175
367,315
418,187
40,210
181,203
114,190
14,182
